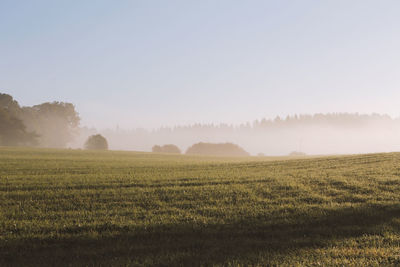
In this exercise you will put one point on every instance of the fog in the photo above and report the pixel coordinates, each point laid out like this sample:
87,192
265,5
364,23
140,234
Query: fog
341,133
57,124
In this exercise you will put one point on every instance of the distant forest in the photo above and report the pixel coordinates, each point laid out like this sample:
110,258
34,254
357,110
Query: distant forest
332,133
56,124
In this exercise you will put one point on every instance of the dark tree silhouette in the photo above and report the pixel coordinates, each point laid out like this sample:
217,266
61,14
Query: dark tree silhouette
96,142
8,103
12,130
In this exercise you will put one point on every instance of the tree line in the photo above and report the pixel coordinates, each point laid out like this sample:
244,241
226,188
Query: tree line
342,120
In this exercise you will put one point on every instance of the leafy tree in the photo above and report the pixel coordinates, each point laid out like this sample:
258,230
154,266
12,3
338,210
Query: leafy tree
96,142
8,103
13,131
56,123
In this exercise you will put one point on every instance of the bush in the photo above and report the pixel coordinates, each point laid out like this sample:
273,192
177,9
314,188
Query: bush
156,149
166,149
227,149
297,154
96,142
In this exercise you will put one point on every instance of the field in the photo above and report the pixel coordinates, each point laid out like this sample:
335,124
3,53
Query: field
82,208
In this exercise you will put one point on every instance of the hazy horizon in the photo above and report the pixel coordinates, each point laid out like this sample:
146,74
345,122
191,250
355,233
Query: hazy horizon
148,64
317,134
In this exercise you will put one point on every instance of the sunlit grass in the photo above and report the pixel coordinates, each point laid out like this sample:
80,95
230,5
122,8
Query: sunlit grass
68,207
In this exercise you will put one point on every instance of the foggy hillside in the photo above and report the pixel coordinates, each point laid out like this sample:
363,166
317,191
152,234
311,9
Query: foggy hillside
338,133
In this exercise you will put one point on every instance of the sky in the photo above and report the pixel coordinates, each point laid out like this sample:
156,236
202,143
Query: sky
147,64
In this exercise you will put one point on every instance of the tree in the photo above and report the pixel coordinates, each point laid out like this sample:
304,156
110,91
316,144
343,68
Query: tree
166,149
49,124
8,103
56,123
96,142
13,131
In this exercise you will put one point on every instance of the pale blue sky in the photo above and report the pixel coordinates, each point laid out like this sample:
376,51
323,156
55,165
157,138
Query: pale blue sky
153,63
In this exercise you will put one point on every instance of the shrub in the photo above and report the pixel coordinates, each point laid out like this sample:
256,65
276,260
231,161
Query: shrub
96,142
227,149
297,154
166,149
156,149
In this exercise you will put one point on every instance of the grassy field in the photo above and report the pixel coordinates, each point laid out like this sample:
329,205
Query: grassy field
80,208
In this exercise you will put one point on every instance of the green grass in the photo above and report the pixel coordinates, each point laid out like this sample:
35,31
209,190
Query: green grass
82,208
